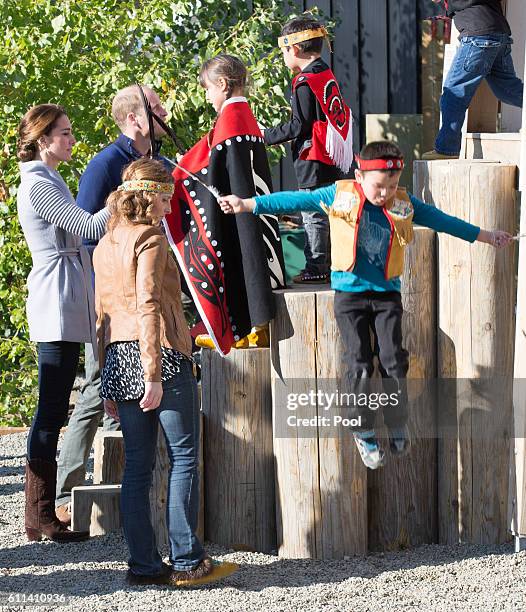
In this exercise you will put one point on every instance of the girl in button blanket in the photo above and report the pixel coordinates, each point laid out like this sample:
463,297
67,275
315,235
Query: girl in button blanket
231,264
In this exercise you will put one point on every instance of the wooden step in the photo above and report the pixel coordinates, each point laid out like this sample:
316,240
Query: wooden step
504,148
109,469
95,508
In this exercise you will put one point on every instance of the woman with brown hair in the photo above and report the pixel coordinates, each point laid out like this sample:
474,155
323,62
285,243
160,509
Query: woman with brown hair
148,376
60,304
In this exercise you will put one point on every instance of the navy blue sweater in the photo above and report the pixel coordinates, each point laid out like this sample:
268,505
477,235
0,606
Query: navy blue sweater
103,175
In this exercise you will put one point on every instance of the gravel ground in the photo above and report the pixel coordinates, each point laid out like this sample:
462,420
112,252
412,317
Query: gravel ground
91,574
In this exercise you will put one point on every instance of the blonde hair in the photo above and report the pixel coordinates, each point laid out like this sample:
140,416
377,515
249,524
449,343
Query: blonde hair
127,100
135,207
37,122
226,67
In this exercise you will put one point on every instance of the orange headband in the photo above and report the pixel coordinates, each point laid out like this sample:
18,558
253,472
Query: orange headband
297,37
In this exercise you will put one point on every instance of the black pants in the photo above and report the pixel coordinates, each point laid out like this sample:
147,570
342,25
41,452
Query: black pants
357,314
57,366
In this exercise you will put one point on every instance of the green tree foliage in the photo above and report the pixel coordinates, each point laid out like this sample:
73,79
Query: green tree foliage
78,54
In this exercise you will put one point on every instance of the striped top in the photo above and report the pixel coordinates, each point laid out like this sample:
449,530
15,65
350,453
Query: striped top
49,202
60,284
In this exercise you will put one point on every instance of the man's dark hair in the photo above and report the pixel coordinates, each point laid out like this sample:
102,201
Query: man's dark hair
298,24
381,149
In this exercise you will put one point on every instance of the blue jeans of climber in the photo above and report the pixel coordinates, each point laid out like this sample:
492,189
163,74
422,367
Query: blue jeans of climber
477,58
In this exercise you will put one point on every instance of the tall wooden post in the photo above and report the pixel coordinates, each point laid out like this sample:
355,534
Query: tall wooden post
475,356
402,496
321,483
518,471
239,465
328,504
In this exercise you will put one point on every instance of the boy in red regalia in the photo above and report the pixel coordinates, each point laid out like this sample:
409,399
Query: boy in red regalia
320,131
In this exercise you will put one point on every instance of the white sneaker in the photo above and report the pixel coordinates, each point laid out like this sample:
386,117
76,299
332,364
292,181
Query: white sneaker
370,451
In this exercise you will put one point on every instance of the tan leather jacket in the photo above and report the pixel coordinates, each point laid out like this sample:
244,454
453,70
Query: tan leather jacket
138,295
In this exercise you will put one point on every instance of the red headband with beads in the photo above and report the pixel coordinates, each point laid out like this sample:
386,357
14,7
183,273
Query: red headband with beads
379,164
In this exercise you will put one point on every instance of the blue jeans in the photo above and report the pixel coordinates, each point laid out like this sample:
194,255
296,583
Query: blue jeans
317,241
478,57
57,366
81,430
178,415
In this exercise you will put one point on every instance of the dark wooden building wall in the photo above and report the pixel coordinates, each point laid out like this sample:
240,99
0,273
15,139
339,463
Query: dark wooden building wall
376,59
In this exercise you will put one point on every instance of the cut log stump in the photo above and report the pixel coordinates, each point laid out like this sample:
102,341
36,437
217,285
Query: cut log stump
239,469
475,350
402,496
108,457
95,508
321,483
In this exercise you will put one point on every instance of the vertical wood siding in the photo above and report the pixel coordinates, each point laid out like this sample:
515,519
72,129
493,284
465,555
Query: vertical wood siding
376,59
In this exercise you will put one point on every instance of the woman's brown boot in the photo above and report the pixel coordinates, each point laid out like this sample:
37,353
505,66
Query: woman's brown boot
41,483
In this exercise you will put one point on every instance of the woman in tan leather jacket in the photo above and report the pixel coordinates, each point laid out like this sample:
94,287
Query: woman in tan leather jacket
148,376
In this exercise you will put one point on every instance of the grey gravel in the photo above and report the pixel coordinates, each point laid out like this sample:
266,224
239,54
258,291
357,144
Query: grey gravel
91,574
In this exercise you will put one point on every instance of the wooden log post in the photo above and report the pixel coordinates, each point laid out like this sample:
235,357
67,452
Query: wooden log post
108,457
95,508
518,459
321,497
402,500
239,469
475,351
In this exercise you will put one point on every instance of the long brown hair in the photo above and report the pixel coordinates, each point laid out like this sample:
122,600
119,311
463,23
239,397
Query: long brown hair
136,206
37,122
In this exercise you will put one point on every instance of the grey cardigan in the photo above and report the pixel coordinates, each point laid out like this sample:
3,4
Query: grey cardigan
60,303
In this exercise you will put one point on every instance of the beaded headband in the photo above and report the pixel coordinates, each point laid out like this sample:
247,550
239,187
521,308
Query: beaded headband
379,164
297,37
153,186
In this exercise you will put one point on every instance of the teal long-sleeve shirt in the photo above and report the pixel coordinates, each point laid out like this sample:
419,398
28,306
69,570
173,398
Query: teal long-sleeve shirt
373,234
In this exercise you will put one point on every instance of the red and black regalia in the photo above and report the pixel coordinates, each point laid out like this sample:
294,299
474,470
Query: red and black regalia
231,262
332,133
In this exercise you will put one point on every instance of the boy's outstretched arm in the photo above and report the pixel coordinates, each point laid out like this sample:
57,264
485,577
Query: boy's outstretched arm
280,202
436,219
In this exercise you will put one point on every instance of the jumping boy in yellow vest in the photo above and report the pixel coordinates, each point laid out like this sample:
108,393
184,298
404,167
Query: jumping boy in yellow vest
371,221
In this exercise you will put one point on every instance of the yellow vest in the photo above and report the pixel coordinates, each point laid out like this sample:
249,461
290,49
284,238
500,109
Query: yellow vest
344,218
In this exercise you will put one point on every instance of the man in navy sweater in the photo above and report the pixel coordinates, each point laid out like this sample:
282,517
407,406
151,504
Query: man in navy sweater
484,53
101,177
